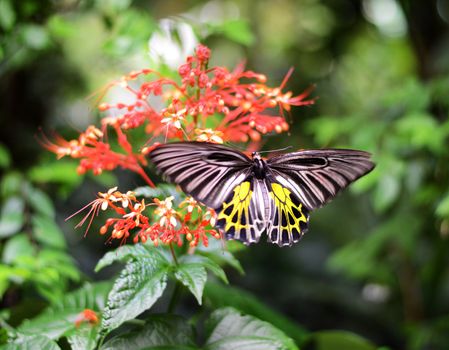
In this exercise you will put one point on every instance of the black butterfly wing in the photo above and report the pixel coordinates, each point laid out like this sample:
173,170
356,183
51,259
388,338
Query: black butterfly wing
208,172
316,176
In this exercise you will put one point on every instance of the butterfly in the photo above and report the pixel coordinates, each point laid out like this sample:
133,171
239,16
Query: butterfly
253,195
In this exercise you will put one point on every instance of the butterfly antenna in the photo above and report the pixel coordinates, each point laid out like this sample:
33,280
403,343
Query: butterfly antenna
276,150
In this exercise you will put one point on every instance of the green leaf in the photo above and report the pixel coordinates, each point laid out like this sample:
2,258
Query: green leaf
48,232
85,337
237,30
161,191
11,217
11,184
17,246
217,253
229,329
32,342
41,202
387,191
331,340
59,318
132,30
114,7
167,331
359,259
218,295
5,158
443,207
90,296
138,287
7,15
3,336
194,277
59,27
65,263
422,131
207,263
327,128
105,179
412,95
62,171
390,171
127,252
5,274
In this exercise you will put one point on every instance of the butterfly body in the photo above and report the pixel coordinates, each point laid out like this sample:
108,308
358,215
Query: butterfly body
253,196
259,168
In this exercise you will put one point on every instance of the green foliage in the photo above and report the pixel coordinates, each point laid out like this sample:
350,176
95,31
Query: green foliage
5,159
330,340
194,277
226,328
32,342
161,191
159,331
33,248
403,121
59,318
215,252
218,296
132,30
8,16
229,329
144,279
235,30
61,172
138,287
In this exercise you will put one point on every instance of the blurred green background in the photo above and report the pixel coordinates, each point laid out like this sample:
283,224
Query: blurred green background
375,260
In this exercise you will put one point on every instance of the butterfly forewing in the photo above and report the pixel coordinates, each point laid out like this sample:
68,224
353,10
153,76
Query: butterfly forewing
316,176
208,172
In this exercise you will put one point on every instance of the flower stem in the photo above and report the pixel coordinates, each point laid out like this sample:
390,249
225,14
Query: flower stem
173,254
101,341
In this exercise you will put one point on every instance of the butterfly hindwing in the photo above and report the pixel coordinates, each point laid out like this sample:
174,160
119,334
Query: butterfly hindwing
208,172
288,219
242,214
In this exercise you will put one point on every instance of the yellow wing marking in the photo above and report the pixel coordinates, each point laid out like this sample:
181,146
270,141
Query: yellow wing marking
237,208
291,214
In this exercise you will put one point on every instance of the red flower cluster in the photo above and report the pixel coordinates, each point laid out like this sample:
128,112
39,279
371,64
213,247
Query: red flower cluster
204,104
157,221
233,103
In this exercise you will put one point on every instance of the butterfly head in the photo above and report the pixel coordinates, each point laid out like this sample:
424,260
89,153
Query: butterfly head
256,155
259,166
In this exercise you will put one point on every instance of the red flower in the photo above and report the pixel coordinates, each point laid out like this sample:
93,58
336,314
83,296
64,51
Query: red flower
163,224
87,315
203,53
